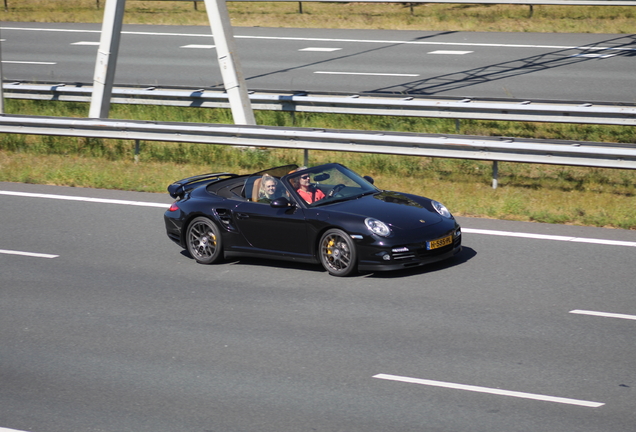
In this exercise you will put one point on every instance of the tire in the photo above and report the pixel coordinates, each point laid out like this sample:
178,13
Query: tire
203,240
338,253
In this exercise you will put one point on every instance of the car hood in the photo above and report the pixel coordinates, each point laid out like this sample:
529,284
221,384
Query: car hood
393,208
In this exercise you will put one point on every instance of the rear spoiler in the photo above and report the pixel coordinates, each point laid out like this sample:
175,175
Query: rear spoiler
178,189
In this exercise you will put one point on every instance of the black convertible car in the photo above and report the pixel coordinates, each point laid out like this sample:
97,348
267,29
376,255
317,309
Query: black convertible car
325,214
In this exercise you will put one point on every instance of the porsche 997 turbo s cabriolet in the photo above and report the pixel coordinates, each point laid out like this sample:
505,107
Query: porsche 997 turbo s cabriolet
325,214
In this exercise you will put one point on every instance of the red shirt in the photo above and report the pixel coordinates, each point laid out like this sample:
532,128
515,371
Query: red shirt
311,195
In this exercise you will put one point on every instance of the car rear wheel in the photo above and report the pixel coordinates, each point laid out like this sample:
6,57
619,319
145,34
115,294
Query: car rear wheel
203,240
338,253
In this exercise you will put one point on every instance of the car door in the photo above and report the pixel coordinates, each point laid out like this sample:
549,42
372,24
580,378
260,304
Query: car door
281,230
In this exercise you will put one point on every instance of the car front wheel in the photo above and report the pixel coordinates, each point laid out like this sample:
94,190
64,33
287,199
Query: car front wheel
203,240
338,253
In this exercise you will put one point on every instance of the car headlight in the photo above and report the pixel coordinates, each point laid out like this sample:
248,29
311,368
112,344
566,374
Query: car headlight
377,227
441,209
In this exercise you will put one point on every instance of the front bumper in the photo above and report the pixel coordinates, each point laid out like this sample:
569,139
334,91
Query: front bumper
374,258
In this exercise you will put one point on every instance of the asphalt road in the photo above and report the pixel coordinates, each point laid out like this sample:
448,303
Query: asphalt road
528,66
120,331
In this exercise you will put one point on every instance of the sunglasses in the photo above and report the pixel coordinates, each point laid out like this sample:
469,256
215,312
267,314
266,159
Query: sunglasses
304,177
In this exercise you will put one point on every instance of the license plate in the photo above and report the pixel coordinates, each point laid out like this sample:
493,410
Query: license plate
434,244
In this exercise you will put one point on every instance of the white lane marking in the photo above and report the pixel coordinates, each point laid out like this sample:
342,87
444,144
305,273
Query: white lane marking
494,391
366,74
411,42
85,199
450,52
9,430
603,314
195,46
464,230
28,62
86,43
593,55
50,30
379,41
550,237
318,49
30,254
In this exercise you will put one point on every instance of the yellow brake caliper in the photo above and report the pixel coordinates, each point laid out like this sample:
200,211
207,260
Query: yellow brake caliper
330,248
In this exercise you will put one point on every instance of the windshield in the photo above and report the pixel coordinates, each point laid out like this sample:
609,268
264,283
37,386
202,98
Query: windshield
326,184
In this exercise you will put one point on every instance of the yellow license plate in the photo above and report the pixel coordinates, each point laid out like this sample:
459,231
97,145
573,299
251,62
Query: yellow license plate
434,244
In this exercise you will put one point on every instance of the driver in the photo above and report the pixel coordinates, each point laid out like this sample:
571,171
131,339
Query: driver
307,191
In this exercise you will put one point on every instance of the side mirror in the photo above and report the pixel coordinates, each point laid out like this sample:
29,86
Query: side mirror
281,202
369,179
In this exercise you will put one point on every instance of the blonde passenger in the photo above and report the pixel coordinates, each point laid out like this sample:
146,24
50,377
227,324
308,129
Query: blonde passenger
267,191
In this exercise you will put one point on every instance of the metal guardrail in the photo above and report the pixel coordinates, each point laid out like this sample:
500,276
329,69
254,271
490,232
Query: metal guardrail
457,108
556,152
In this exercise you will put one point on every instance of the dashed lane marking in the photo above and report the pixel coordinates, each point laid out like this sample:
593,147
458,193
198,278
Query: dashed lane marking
603,314
196,46
449,52
494,391
367,74
29,254
318,49
28,62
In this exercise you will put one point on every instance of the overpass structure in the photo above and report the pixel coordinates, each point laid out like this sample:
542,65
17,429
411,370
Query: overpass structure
229,63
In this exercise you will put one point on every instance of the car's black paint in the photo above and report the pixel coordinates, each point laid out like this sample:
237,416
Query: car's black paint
291,229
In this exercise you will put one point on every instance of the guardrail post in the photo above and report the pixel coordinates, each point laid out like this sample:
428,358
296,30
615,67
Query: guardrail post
495,174
137,150
1,82
300,7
